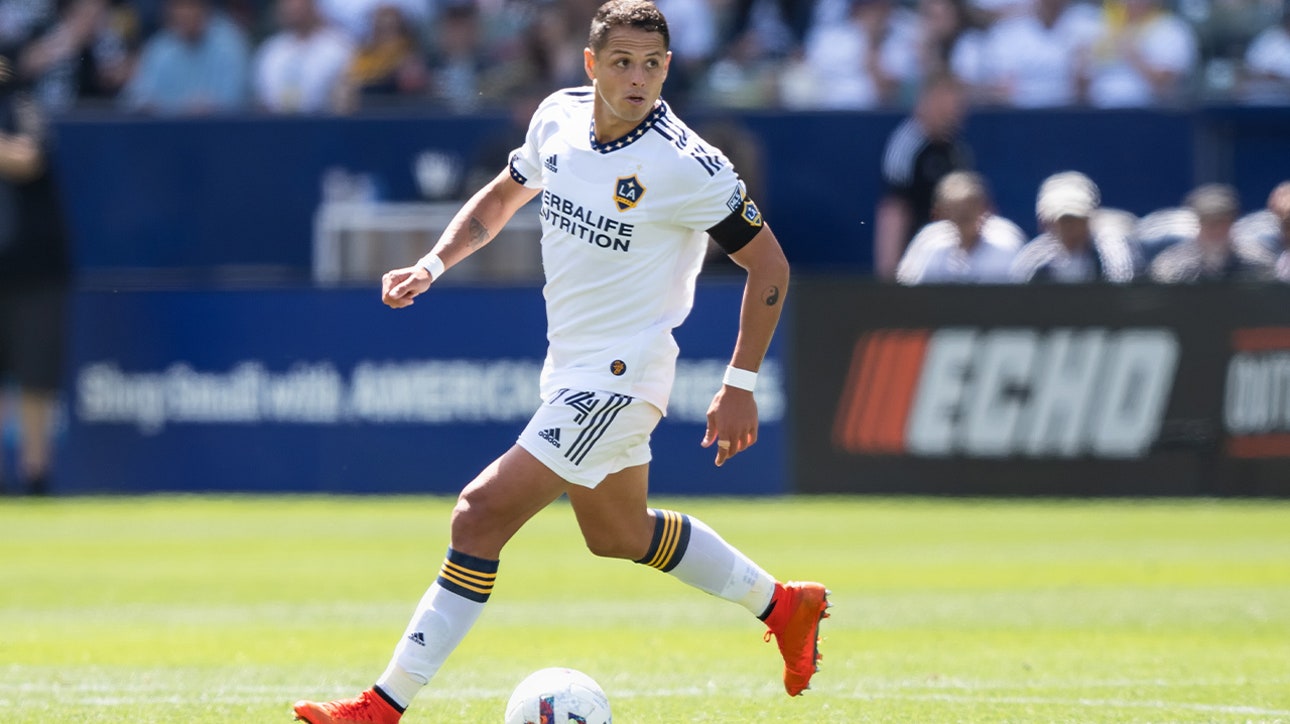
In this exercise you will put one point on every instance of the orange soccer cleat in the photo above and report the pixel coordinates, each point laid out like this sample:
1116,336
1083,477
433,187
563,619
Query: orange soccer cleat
795,624
367,708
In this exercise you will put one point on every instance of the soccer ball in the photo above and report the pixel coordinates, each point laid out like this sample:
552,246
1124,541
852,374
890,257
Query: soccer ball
558,696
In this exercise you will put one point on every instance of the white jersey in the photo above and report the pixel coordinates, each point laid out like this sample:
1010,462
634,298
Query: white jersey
623,239
936,254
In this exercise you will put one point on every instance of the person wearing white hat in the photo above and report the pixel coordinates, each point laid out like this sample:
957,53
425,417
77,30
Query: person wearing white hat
1073,247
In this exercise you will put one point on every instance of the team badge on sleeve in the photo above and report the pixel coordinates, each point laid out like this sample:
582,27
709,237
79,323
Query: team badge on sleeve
736,200
628,192
740,204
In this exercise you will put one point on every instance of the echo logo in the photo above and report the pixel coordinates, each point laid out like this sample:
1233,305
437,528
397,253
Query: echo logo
1256,398
1057,393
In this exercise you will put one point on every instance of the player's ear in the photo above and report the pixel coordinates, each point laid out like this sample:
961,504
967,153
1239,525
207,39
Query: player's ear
589,63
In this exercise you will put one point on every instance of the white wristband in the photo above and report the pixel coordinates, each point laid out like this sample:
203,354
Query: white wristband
743,379
433,264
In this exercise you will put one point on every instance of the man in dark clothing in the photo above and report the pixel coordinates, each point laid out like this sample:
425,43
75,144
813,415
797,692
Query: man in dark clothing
34,277
920,152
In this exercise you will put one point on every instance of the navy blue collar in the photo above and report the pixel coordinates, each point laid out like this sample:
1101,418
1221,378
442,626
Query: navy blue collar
631,136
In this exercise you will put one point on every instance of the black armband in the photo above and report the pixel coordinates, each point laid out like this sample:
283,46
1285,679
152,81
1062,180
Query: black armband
736,230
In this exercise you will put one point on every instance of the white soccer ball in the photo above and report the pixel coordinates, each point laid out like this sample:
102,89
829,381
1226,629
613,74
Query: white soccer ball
558,696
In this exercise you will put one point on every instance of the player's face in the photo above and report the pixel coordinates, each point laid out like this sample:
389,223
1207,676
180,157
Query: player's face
628,74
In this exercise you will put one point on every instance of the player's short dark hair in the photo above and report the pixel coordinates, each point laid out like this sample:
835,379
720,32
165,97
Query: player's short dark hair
639,14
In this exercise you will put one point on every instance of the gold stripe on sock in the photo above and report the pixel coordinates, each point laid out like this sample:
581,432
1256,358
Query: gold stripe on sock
669,540
481,583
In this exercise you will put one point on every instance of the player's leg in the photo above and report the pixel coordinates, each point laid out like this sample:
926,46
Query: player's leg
616,522
488,513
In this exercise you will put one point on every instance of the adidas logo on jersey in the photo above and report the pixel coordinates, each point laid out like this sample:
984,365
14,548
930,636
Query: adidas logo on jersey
550,163
552,436
417,638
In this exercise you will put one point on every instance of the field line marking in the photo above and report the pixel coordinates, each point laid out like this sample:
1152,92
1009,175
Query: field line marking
1085,702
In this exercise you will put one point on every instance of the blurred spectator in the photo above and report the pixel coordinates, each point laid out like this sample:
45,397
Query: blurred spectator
1033,59
1071,249
1144,55
1260,235
995,10
355,17
1260,228
21,20
782,24
84,54
35,272
1159,230
389,63
549,57
693,28
300,69
1279,205
458,59
1210,255
198,63
862,62
970,244
1267,64
1225,29
950,42
745,76
919,153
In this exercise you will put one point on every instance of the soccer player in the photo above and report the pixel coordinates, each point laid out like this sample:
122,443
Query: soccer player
629,195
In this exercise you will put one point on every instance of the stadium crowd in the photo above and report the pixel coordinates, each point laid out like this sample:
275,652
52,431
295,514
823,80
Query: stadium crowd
1207,238
326,56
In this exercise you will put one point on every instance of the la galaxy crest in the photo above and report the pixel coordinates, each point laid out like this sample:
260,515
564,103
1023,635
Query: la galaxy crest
628,192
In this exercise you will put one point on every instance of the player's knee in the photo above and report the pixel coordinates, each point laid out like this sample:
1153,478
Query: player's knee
472,528
610,548
606,543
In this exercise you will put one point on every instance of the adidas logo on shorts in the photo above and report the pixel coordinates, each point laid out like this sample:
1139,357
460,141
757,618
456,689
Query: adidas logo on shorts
418,638
552,436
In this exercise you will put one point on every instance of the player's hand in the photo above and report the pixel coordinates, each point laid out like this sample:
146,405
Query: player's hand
732,423
400,286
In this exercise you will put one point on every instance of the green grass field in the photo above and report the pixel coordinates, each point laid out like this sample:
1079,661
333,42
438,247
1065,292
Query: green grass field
193,609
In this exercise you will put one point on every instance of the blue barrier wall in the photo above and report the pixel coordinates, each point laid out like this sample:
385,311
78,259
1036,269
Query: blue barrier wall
310,390
243,191
197,193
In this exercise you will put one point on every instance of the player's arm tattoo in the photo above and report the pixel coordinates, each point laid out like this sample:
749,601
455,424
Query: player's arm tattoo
771,295
478,233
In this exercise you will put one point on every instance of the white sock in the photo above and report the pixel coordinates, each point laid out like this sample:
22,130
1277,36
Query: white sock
691,551
447,611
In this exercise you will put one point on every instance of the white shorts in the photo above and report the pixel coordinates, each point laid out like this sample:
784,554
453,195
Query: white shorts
583,436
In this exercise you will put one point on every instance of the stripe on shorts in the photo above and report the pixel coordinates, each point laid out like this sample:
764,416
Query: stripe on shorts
595,429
